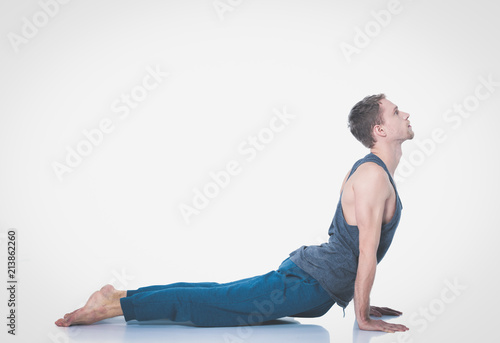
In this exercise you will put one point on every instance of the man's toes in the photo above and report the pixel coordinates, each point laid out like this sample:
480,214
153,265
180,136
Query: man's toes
72,317
62,322
67,315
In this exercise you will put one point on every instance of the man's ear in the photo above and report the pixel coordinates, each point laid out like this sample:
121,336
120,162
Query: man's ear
379,131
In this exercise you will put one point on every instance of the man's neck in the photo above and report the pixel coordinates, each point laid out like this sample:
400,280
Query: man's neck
389,154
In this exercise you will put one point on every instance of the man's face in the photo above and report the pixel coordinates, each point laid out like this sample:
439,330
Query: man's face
396,122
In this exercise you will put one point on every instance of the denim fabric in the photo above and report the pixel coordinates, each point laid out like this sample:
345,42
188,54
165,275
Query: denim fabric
288,291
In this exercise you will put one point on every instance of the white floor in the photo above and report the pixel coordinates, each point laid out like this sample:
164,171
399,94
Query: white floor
332,327
285,330
115,330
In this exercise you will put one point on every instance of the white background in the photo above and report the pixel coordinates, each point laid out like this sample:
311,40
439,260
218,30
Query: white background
115,218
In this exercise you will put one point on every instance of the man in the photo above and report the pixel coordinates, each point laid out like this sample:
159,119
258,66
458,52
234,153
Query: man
313,278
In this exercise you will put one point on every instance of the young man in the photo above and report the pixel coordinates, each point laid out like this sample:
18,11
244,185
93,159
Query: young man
313,278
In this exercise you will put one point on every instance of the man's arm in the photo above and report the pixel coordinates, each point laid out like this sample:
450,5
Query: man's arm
371,191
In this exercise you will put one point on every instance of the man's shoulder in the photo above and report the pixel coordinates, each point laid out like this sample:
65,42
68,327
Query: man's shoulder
370,175
371,169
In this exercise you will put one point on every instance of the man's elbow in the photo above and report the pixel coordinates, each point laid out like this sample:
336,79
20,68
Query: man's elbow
367,255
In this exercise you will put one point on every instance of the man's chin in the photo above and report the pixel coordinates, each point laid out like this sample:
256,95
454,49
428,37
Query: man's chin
409,137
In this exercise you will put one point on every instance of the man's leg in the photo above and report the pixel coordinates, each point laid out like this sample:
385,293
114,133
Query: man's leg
172,285
277,294
221,305
105,303
273,295
187,285
317,311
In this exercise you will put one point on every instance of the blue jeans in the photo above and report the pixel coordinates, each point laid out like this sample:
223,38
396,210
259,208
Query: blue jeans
288,291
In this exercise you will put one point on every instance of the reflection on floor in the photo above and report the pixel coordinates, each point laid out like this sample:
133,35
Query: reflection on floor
360,336
116,330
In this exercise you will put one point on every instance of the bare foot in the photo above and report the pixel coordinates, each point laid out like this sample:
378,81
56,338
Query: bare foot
101,305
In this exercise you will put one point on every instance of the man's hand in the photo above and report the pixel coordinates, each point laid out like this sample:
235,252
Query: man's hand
380,325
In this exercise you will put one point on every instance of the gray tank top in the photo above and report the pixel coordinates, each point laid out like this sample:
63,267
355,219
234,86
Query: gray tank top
335,263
